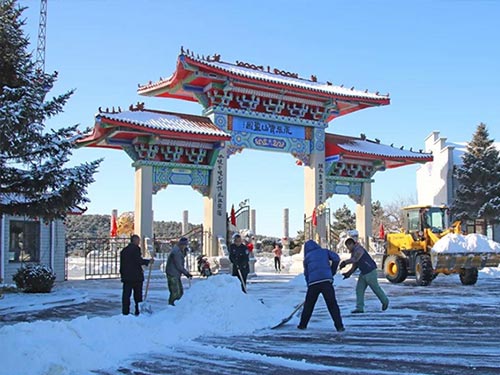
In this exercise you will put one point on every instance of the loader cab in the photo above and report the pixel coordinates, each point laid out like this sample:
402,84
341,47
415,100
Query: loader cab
418,218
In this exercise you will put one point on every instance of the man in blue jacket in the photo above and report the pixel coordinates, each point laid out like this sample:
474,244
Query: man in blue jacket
368,277
320,265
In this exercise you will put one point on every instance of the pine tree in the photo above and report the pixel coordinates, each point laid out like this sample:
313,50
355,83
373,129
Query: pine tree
478,180
344,219
33,179
378,218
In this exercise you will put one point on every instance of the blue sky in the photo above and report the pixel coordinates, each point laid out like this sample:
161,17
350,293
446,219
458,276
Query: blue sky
439,60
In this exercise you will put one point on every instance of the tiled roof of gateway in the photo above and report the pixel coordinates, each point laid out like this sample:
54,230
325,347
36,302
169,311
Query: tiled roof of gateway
285,78
167,121
369,147
291,81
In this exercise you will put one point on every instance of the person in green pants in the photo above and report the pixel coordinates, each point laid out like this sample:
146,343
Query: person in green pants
175,268
368,277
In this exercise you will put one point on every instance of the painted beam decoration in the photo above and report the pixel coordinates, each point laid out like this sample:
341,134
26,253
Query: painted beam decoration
164,175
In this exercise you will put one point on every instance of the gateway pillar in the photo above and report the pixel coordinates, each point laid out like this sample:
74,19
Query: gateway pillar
364,215
314,193
143,217
215,220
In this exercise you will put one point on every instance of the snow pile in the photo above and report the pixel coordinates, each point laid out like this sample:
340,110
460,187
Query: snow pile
490,273
215,306
457,243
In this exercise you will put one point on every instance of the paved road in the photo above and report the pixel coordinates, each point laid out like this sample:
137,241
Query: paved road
446,328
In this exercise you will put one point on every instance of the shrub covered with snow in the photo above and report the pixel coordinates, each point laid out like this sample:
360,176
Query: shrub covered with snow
34,278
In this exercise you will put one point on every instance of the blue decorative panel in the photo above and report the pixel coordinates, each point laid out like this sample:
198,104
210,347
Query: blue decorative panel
253,141
167,175
269,142
221,121
267,128
319,139
180,178
352,188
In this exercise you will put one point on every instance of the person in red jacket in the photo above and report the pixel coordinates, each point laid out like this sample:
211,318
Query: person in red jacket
277,257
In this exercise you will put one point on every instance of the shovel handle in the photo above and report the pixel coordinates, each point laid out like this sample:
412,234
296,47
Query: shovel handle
149,278
242,281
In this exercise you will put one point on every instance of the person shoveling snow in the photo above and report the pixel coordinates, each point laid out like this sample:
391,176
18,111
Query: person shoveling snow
175,268
132,274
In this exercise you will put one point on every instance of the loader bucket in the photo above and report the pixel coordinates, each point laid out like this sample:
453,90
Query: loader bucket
456,261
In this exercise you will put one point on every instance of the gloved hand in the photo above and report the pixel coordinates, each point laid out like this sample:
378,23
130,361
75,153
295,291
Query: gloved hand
189,276
151,261
346,275
342,264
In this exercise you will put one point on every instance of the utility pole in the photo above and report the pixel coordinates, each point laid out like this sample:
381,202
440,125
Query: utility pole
42,26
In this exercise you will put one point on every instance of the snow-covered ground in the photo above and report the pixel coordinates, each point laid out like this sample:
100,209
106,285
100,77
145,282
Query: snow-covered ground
446,328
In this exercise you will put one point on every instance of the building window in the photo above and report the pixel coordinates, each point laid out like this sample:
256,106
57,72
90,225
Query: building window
24,241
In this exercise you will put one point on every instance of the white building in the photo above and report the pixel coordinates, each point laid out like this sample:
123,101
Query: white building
435,182
27,241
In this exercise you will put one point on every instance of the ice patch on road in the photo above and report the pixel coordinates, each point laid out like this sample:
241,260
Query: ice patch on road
25,302
215,306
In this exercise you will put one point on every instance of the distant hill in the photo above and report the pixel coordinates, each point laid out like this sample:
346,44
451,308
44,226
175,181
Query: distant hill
98,226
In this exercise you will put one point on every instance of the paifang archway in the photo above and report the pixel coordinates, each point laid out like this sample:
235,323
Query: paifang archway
262,108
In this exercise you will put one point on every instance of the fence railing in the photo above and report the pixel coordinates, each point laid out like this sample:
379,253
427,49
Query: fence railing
102,255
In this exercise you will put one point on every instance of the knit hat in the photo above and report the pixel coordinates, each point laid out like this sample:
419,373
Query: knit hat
183,241
349,239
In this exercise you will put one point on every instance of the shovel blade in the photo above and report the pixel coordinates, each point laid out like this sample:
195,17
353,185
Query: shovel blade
146,308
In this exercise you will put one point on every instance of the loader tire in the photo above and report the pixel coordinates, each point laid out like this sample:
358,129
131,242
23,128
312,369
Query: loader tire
423,270
395,269
468,276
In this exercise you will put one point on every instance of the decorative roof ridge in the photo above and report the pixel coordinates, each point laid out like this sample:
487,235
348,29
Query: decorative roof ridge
215,58
363,138
139,107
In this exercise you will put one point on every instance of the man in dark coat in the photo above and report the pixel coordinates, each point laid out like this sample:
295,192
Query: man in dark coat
132,274
239,257
175,268
368,277
320,265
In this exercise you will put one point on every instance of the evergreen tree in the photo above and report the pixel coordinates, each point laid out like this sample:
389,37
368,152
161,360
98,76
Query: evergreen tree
378,218
478,178
344,219
33,181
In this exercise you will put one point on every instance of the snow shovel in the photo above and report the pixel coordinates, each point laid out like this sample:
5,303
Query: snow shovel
144,306
242,281
289,317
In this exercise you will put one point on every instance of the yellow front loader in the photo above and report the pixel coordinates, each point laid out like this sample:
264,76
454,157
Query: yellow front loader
409,252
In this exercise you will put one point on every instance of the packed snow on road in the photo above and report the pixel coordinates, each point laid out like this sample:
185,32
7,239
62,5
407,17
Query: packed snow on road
446,328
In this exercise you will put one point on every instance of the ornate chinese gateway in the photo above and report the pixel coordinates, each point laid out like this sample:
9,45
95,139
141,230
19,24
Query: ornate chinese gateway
246,106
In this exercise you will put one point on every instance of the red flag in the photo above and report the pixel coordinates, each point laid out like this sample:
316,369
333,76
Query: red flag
114,226
381,232
314,218
233,216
